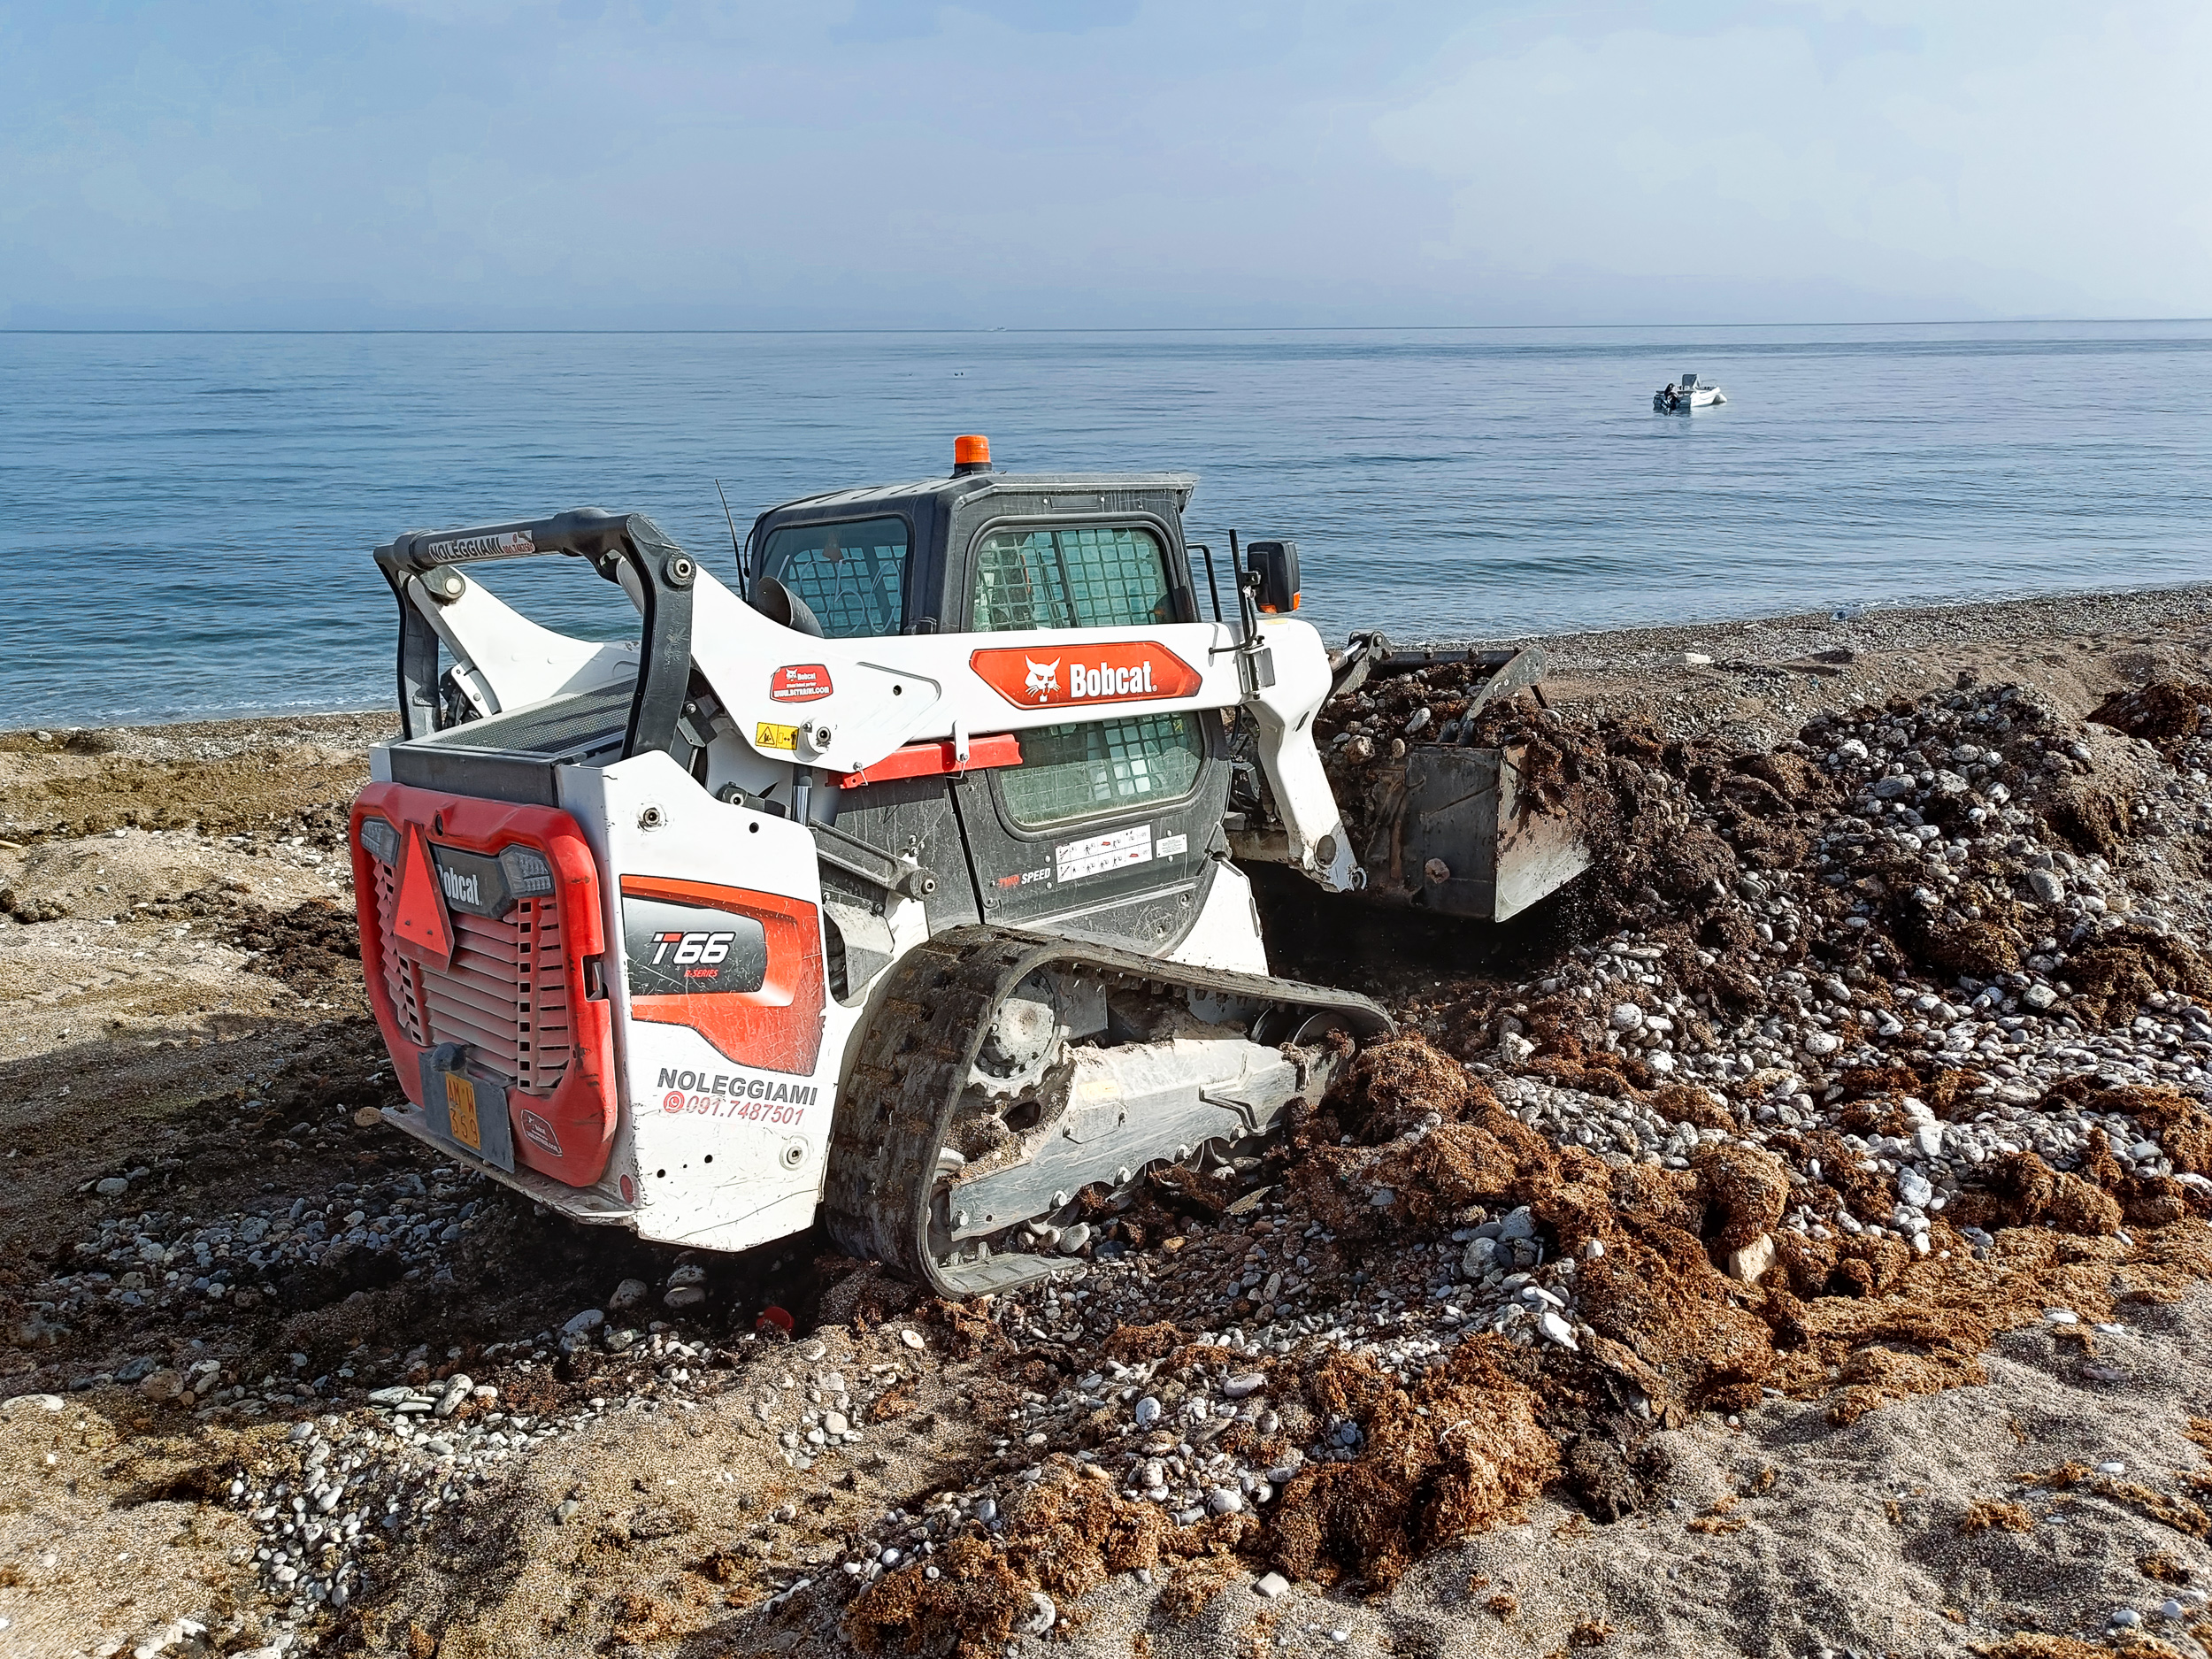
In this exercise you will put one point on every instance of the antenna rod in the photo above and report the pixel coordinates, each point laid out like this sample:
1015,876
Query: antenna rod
736,552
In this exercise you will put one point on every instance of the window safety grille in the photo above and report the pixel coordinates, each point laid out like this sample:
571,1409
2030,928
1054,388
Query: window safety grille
852,576
1074,772
1095,577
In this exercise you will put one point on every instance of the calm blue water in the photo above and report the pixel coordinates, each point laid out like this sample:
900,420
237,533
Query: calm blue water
189,516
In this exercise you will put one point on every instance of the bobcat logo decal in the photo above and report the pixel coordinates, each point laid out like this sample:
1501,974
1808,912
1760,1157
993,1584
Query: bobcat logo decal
1112,671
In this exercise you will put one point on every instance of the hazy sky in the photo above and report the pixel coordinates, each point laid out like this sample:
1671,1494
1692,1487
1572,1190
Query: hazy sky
893,163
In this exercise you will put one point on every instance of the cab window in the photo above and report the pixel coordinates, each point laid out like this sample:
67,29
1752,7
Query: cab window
1077,772
1092,576
852,576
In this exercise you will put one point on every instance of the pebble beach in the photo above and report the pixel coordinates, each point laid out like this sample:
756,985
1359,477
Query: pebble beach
1792,1240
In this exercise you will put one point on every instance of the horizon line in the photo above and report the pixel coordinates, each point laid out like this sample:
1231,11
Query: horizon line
1164,328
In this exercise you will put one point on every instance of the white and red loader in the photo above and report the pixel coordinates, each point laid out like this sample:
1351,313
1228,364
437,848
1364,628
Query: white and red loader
891,887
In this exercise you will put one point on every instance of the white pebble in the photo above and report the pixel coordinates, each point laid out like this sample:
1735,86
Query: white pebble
1042,1615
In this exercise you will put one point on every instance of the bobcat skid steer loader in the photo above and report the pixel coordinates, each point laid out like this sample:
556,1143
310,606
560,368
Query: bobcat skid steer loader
891,886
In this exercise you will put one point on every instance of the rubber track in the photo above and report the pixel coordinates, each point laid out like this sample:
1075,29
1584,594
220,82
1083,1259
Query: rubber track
919,1048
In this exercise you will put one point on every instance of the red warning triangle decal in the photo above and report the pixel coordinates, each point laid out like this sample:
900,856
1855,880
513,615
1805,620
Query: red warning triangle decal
419,917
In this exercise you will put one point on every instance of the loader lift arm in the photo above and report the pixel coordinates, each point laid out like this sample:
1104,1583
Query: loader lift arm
503,662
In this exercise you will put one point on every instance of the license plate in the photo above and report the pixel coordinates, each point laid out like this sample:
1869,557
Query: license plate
460,1113
471,1112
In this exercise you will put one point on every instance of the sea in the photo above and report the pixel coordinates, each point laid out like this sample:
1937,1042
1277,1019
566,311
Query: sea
189,517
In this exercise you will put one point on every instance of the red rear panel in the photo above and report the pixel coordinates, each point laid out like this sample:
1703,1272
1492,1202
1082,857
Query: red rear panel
508,987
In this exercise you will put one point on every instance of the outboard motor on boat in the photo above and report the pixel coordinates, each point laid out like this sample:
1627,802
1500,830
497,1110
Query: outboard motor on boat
1665,401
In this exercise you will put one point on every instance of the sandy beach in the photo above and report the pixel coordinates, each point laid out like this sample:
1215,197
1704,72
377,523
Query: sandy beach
1793,1241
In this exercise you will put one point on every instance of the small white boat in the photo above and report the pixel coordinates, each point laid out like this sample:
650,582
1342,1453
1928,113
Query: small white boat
1684,396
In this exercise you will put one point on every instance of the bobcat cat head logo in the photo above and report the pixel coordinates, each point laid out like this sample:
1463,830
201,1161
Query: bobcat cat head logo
1044,678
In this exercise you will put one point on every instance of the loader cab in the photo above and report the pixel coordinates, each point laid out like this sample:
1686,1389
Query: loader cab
982,552
1108,829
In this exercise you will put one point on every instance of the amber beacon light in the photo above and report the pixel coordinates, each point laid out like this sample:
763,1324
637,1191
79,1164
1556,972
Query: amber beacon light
970,453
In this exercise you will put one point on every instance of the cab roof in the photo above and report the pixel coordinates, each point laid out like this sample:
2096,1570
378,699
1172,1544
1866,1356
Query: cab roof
960,487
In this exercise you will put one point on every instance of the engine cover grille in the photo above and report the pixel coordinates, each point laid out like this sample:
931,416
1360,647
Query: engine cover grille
504,996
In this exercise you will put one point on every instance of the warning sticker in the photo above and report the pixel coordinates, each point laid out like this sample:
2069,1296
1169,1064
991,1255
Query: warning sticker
1101,853
768,736
1170,845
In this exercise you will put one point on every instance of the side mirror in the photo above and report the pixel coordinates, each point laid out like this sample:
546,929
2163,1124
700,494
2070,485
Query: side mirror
783,607
1276,564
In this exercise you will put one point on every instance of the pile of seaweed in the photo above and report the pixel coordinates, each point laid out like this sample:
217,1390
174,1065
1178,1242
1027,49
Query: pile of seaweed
1883,852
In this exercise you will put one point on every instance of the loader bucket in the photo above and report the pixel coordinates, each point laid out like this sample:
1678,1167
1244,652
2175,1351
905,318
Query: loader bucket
1454,830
